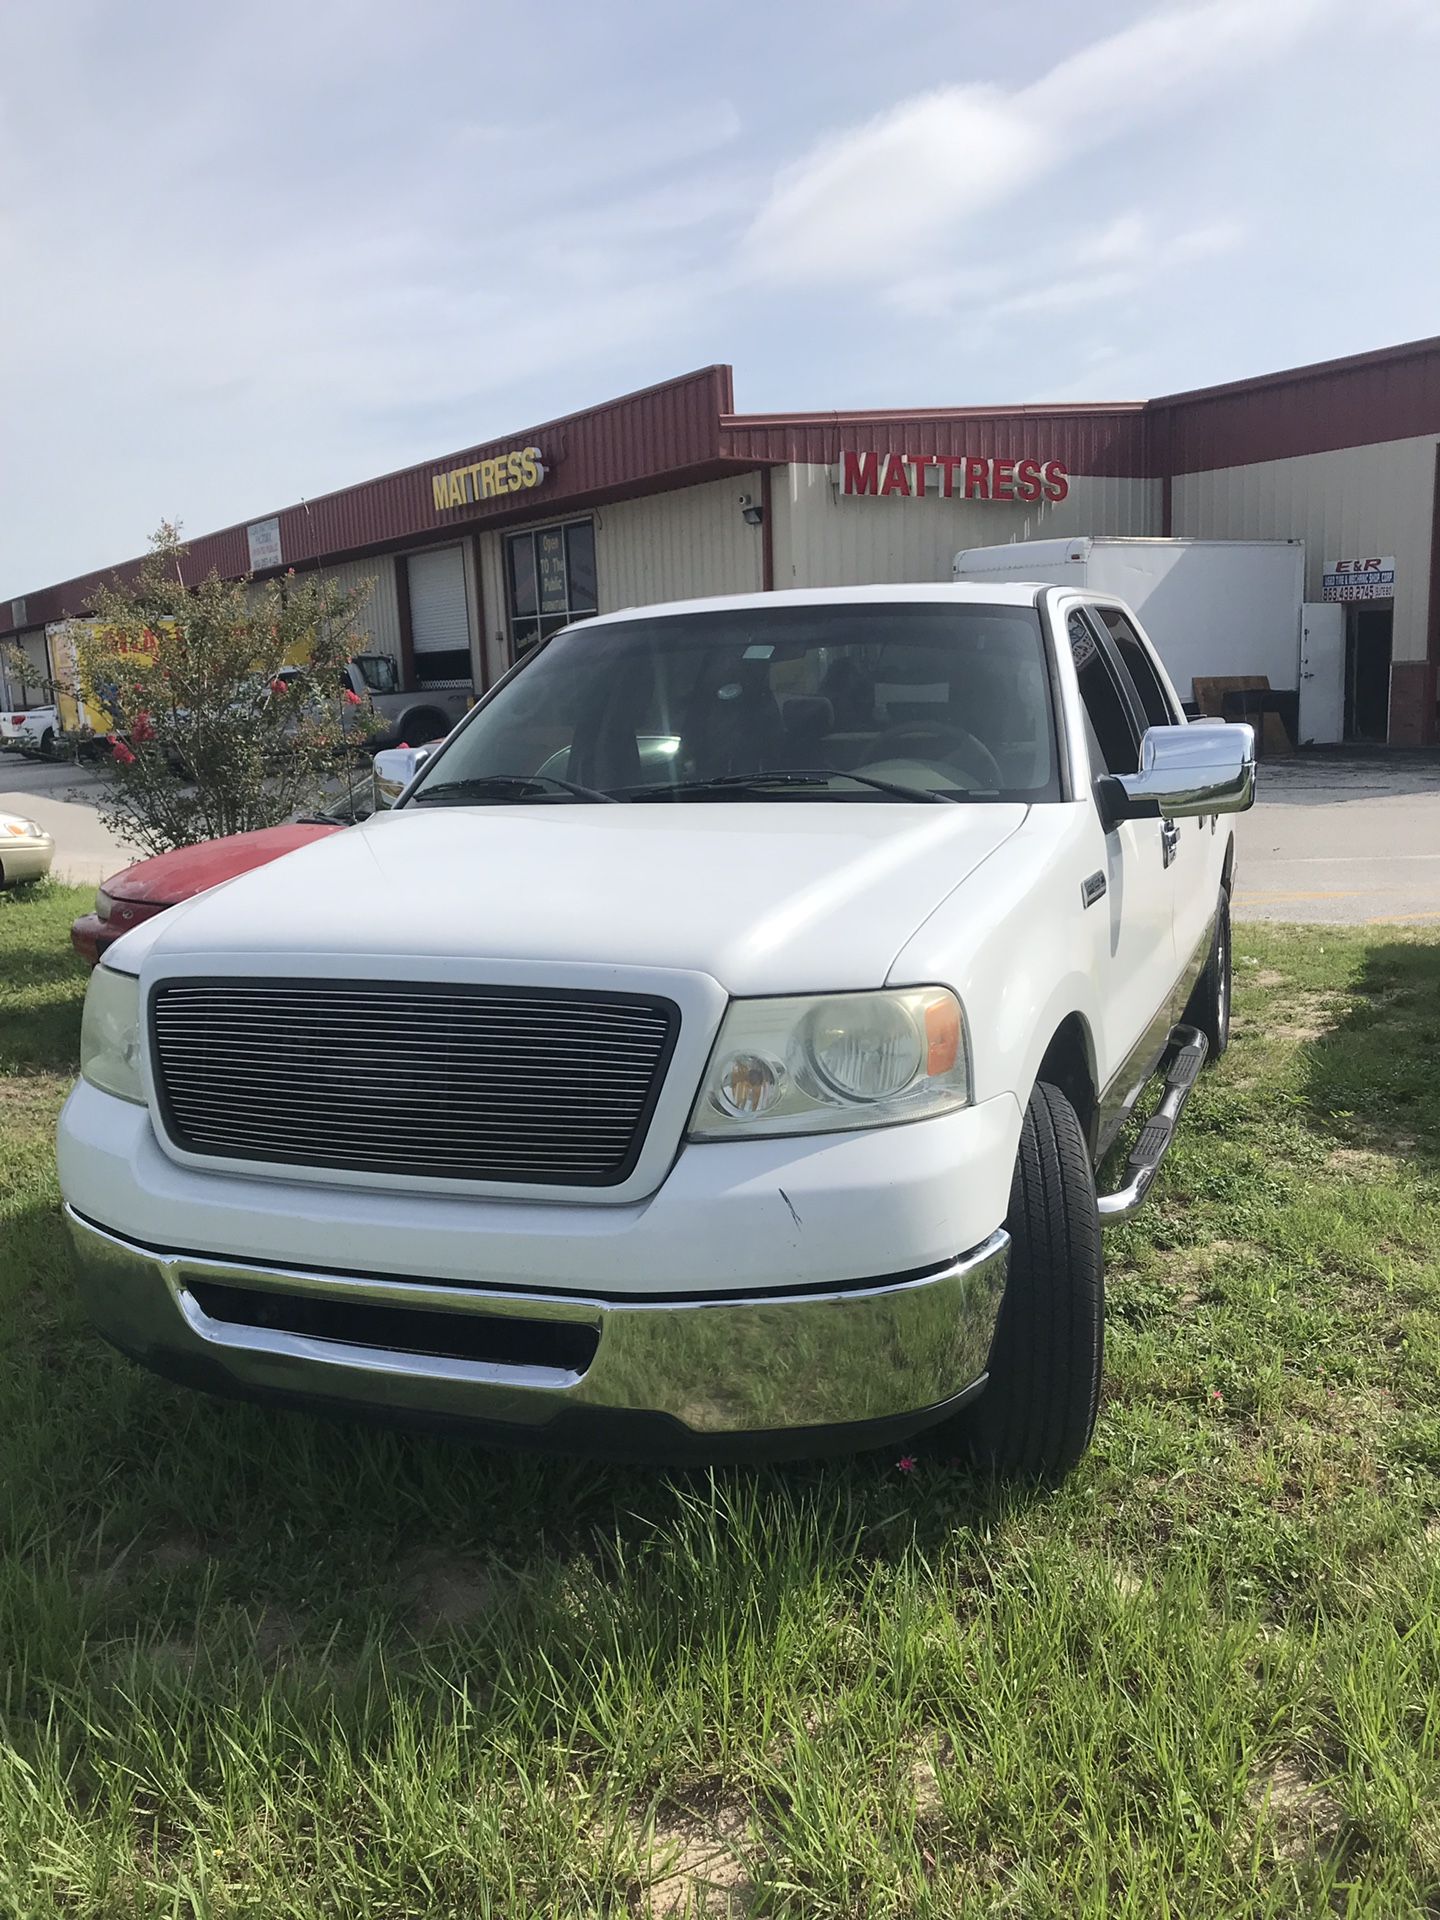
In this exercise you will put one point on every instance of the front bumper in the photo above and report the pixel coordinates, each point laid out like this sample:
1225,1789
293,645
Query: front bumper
26,859
90,936
680,1377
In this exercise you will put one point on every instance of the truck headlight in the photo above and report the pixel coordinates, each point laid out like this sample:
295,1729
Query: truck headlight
825,1063
110,1034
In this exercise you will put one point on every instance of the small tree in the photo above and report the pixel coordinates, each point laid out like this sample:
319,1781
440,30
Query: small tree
226,703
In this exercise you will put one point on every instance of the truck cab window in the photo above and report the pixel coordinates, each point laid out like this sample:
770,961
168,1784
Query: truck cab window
1110,731
1154,702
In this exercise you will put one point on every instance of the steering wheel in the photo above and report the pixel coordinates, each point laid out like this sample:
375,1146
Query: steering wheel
902,742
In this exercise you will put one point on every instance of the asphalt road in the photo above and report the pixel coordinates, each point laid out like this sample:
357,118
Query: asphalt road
1342,838
1336,838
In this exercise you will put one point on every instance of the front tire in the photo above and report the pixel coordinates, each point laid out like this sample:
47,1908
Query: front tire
1036,1415
1209,1007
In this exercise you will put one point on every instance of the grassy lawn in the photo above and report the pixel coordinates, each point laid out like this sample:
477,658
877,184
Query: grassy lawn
261,1664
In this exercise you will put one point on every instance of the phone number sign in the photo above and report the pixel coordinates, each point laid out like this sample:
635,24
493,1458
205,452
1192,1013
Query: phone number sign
1371,579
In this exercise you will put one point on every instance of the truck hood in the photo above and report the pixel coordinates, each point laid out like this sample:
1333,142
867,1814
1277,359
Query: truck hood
765,897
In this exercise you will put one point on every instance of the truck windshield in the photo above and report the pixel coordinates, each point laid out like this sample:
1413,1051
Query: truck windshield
877,702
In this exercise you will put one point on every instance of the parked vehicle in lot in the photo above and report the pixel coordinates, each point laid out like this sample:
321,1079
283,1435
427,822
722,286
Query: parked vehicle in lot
139,892
153,886
33,730
26,850
745,1097
426,713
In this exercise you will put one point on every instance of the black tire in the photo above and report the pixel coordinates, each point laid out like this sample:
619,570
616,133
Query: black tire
1209,1007
1034,1419
47,744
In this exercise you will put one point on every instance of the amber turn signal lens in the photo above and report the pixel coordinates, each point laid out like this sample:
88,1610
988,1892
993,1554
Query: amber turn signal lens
942,1035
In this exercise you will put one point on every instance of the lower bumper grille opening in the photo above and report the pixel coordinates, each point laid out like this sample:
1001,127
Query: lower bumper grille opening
562,1344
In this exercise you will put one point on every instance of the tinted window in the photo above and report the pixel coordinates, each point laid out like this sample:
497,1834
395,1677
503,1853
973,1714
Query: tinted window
1113,741
942,698
1135,656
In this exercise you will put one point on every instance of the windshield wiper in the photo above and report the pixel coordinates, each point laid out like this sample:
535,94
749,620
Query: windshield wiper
803,777
479,785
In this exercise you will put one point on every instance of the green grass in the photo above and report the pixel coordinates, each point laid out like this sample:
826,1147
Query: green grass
258,1664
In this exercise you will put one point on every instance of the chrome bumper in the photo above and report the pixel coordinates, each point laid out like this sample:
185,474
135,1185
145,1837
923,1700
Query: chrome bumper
860,1356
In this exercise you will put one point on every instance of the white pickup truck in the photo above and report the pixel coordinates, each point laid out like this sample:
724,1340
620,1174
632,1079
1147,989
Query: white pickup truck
31,730
761,983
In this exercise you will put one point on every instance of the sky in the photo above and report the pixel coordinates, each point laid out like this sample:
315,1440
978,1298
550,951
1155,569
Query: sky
251,254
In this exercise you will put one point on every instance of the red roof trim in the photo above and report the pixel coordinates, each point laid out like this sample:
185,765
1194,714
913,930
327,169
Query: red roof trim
681,431
1316,369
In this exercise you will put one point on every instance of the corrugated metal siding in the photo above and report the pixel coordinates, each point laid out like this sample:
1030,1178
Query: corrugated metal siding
676,546
32,690
822,540
634,441
1343,504
1100,440
377,626
1357,402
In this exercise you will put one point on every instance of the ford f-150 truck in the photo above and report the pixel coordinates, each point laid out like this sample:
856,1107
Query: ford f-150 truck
745,1092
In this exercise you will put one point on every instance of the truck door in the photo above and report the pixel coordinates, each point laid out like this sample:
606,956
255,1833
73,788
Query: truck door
1192,846
1130,920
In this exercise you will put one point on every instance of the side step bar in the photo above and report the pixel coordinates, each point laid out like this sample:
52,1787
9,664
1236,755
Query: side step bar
1181,1069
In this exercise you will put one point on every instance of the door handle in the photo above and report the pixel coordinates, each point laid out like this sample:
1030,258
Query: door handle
1169,841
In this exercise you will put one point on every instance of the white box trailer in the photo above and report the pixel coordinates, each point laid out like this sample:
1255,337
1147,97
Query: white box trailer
1212,607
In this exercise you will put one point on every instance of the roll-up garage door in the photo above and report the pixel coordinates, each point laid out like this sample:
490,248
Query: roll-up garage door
439,620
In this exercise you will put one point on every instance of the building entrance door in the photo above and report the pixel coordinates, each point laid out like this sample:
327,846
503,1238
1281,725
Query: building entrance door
1368,638
1322,674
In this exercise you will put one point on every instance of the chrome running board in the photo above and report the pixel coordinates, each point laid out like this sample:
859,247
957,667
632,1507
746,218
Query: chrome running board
1186,1055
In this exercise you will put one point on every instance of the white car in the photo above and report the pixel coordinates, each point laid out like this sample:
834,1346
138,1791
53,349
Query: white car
26,850
744,1098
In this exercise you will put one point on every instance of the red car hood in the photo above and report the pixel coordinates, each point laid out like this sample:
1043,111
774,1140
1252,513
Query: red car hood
172,877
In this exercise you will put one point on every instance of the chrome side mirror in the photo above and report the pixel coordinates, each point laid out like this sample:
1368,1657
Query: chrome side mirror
392,770
1196,769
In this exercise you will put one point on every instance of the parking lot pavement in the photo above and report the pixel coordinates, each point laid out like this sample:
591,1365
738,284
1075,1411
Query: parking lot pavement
1342,838
62,797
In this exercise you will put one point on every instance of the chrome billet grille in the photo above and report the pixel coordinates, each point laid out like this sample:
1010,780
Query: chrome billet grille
461,1083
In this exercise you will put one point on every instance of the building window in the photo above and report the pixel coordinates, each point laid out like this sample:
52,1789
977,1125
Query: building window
549,581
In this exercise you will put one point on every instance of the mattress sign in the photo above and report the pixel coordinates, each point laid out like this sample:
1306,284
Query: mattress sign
949,476
1372,579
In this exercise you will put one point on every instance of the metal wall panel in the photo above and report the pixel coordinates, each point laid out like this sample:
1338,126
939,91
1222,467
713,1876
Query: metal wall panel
31,689
377,625
1343,504
1367,398
677,546
825,540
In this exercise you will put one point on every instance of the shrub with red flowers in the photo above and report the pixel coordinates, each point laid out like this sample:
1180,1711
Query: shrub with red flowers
225,702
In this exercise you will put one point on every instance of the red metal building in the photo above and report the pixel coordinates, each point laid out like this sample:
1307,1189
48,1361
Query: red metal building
670,493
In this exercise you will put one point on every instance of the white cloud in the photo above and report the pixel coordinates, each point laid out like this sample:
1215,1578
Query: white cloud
870,201
894,193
